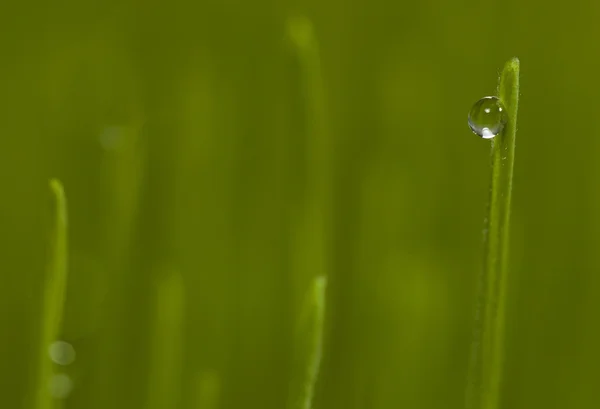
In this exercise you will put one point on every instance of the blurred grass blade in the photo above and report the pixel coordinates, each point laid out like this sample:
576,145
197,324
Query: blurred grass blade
309,346
485,372
311,227
318,164
166,360
303,38
208,388
54,294
102,305
123,168
312,230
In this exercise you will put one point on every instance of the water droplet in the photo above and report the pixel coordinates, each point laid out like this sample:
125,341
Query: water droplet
61,353
60,386
487,117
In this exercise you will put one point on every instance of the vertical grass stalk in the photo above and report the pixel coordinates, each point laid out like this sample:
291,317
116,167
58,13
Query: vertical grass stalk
312,230
167,343
123,168
485,371
311,227
53,303
309,346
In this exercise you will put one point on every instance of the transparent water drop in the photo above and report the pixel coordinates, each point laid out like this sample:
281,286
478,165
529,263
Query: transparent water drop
488,117
61,353
60,386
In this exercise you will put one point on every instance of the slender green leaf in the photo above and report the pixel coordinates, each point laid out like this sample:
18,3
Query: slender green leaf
485,375
55,286
311,228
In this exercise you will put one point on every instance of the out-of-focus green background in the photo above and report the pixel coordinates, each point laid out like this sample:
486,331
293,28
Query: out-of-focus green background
181,134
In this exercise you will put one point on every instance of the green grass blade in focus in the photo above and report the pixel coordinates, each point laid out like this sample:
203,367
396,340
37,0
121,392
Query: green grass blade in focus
54,295
167,342
485,371
309,347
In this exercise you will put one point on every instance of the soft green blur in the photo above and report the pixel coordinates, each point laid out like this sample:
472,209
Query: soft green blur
182,135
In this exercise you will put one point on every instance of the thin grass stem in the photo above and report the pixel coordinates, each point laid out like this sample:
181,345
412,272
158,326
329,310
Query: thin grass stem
53,303
485,371
312,228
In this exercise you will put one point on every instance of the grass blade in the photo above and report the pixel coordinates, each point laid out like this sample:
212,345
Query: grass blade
485,371
309,344
312,230
167,343
54,295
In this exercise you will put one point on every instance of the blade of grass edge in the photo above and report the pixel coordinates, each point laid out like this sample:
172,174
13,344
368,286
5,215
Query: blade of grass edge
54,295
309,346
486,361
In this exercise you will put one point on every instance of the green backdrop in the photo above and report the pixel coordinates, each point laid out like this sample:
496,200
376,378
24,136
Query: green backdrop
191,145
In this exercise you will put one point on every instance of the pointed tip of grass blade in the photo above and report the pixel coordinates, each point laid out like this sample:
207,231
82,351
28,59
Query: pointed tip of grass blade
511,70
319,286
512,64
58,191
57,187
508,89
300,30
57,266
511,67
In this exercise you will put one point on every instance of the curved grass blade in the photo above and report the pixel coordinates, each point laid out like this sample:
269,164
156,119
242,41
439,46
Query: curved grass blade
485,371
54,295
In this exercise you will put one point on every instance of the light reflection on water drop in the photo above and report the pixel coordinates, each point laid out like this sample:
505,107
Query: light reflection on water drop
60,386
62,353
